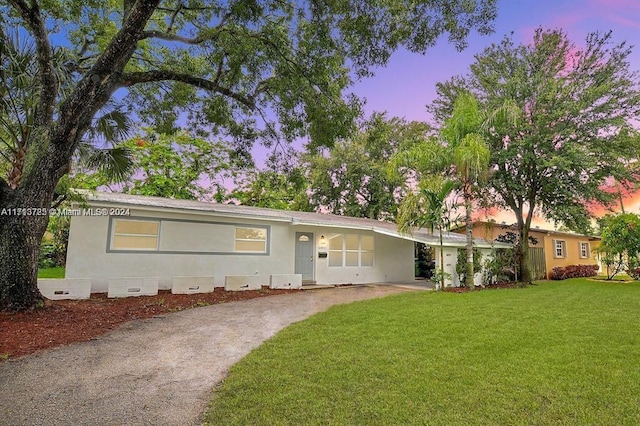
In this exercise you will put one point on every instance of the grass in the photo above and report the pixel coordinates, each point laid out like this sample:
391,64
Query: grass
57,272
557,353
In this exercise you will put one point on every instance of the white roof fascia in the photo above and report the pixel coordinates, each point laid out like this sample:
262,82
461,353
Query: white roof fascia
416,239
331,225
102,203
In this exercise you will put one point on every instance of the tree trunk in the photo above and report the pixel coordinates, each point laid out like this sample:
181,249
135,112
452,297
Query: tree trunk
469,273
523,255
442,284
20,237
24,215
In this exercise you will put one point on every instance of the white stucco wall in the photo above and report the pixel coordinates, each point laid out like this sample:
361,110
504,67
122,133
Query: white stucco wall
88,255
450,260
393,259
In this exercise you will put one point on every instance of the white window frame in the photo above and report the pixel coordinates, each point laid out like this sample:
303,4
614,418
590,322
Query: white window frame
562,246
343,252
585,249
115,234
265,240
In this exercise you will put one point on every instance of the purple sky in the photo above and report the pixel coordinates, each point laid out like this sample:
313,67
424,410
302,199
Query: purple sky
407,84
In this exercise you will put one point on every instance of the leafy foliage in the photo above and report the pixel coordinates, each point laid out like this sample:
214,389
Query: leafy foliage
499,267
274,189
461,265
461,156
561,124
429,207
352,178
620,243
178,166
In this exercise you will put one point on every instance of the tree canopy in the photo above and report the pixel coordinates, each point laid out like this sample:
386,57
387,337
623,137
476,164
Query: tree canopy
568,127
620,246
352,179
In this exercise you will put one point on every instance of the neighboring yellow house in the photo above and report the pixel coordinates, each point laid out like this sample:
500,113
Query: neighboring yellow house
551,249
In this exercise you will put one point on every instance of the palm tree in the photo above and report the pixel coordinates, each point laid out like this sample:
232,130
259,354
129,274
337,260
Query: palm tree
470,155
429,208
19,104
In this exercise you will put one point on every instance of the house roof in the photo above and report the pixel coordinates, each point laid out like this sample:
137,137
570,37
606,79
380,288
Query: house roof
421,235
514,226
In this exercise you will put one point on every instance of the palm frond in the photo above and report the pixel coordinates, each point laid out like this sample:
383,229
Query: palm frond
115,163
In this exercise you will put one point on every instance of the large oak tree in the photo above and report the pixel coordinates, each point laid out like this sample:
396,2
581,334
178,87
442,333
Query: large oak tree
244,69
561,126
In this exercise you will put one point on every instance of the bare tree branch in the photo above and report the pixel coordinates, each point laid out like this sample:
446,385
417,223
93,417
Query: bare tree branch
130,79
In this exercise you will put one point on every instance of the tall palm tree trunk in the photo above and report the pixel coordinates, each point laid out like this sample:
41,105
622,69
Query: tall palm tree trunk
469,274
442,284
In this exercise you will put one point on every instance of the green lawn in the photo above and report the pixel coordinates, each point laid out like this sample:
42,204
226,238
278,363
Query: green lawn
57,272
559,353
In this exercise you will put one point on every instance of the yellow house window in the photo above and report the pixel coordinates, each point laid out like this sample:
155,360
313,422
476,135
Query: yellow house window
131,234
584,250
251,240
560,248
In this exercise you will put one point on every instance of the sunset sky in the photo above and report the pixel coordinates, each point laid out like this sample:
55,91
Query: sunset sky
407,84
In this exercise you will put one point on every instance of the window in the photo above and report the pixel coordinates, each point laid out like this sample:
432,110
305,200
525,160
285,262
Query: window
251,240
335,250
135,234
584,250
560,248
350,250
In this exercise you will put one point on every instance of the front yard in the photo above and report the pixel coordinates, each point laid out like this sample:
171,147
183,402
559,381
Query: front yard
557,353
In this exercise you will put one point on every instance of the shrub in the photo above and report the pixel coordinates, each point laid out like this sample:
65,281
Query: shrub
634,273
461,264
499,267
573,271
48,255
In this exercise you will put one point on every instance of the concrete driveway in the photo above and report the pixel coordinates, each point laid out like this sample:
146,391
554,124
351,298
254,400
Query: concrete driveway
158,371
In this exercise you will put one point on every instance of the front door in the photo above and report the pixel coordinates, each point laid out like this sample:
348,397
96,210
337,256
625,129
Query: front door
304,255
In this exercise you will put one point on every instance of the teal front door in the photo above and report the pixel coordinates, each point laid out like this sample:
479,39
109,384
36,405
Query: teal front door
304,255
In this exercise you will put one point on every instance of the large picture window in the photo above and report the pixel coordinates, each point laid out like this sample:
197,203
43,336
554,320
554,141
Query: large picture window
251,240
350,250
135,234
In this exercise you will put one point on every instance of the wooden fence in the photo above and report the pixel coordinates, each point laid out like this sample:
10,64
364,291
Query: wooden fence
537,263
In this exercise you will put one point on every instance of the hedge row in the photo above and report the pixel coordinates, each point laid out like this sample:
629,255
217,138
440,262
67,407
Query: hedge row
573,271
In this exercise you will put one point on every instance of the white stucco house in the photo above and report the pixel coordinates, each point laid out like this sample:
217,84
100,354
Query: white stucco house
138,237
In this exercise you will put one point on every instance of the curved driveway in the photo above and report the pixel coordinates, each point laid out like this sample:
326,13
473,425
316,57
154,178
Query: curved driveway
158,371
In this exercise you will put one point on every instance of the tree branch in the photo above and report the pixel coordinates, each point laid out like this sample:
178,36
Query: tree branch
168,36
175,37
49,85
130,79
97,85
